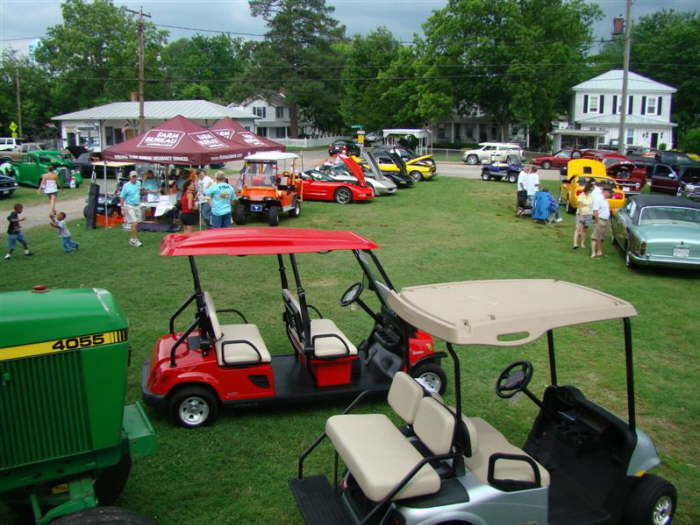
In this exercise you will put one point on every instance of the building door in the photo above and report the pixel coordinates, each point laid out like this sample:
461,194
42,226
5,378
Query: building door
654,140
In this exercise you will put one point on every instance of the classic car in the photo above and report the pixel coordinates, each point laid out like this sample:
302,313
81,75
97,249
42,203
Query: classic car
493,151
8,185
581,171
665,178
689,184
347,146
391,165
31,166
659,230
319,185
418,167
379,185
557,160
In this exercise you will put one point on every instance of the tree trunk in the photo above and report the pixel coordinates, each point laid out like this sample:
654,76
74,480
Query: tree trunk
294,121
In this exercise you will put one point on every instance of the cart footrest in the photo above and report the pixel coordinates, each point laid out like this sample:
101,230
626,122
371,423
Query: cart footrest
318,502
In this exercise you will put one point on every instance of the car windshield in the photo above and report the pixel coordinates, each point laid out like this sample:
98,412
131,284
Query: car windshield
259,174
669,215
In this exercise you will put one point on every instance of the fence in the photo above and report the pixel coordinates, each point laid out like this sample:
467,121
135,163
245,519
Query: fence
306,143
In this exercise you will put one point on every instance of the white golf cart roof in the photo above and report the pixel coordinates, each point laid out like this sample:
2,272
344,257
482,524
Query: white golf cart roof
271,156
486,312
418,133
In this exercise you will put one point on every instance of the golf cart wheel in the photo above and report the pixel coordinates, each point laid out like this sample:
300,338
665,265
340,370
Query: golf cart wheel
343,195
431,376
239,216
103,516
472,159
415,175
485,175
194,406
546,165
110,482
273,216
296,211
512,177
652,502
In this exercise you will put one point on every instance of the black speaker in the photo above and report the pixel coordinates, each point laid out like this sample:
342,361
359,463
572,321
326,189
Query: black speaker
91,208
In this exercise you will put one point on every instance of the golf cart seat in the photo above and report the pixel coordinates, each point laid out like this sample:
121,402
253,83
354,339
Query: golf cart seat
379,456
236,344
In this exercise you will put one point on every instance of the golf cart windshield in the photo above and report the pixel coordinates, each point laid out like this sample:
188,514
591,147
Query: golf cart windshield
259,174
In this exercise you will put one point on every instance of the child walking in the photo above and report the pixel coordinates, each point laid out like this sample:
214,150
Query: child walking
59,222
14,232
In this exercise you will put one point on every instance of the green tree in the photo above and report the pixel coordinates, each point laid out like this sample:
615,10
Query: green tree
301,57
666,48
92,55
689,141
516,60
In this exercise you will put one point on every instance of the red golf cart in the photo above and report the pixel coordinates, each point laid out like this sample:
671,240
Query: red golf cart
192,372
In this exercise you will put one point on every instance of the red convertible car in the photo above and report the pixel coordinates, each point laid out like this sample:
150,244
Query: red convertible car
319,185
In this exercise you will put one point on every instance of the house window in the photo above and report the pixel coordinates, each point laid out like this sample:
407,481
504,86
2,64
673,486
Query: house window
262,132
260,111
651,105
279,112
630,136
280,133
441,132
593,104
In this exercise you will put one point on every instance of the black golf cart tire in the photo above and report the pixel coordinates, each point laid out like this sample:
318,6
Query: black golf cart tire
546,165
432,369
239,215
512,177
649,492
110,482
342,195
296,210
103,516
273,216
485,175
202,393
415,175
472,160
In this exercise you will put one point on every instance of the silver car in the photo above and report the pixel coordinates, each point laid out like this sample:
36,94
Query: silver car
490,152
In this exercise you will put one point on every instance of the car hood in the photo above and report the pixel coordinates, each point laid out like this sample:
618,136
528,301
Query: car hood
418,160
670,233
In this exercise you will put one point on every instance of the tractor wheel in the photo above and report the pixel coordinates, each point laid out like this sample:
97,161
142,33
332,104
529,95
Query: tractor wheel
110,482
103,516
415,175
546,165
432,376
239,216
472,159
653,502
343,195
194,406
296,211
273,216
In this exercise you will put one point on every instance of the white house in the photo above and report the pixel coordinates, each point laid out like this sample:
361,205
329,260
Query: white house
596,106
102,126
477,126
272,116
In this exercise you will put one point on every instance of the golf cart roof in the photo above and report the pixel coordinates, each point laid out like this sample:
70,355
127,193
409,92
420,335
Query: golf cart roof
262,241
271,156
486,312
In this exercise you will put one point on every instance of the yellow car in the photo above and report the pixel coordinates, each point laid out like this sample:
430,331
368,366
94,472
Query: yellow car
581,171
417,167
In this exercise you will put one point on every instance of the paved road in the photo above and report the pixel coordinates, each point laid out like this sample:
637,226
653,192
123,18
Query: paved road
37,215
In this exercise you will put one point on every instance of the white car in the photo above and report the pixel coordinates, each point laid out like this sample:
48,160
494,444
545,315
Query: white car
380,186
9,143
490,152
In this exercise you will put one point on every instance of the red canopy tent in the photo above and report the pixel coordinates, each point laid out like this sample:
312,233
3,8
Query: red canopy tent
234,132
176,141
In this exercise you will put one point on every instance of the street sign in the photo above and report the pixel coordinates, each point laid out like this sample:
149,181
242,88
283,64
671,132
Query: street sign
13,129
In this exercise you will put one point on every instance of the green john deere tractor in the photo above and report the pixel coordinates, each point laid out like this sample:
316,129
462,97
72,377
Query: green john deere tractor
66,439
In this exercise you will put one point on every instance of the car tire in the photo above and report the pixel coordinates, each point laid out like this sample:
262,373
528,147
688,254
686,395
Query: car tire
485,175
546,165
472,160
653,500
194,406
432,375
273,216
239,215
415,175
343,195
296,211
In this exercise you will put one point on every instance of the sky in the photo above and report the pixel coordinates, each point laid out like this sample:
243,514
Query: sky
22,21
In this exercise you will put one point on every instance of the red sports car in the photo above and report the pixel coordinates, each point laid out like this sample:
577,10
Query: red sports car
628,174
318,185
558,160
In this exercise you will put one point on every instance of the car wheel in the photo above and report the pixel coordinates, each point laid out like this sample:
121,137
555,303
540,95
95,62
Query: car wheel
485,175
546,165
239,216
343,195
472,159
652,501
296,211
431,376
273,216
194,406
415,175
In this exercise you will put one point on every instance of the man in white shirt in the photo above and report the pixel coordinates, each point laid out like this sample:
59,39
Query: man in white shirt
203,183
601,220
533,184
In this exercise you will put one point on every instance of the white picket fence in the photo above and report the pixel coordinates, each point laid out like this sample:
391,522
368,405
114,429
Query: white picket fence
307,143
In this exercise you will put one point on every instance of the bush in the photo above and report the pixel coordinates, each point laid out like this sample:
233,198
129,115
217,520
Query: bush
455,145
690,141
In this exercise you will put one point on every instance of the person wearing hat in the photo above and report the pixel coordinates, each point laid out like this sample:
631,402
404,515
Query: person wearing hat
601,220
130,201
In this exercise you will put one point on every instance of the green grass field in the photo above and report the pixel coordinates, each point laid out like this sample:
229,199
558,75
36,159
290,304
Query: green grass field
446,230
29,197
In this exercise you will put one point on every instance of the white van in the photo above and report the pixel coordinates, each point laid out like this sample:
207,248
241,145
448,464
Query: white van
9,143
489,152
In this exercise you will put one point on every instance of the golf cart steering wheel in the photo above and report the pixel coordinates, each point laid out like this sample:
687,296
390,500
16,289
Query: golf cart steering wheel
514,379
352,294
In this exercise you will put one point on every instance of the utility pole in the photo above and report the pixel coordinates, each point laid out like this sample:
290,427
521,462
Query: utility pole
141,14
19,102
622,137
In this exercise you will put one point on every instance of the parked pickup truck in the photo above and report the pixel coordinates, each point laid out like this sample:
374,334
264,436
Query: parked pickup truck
30,166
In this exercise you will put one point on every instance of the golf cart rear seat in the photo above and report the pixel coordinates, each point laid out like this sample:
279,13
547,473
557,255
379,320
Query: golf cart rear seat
379,456
236,344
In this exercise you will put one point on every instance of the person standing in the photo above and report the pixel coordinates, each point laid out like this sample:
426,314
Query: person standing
533,184
584,215
521,184
50,185
14,231
203,183
59,222
188,206
221,194
601,221
130,201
